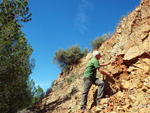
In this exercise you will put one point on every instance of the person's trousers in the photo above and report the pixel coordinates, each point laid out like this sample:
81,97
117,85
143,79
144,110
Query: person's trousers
86,86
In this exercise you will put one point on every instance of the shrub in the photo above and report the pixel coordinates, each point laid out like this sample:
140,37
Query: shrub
122,47
69,79
120,19
72,54
97,42
42,95
53,83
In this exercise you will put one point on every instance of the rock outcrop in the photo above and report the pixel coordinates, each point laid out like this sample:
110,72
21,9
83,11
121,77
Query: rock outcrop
129,51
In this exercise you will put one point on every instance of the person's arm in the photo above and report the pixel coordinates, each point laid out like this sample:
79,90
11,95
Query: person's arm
104,73
105,64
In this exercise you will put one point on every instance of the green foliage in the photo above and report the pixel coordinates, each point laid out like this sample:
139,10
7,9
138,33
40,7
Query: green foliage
109,34
11,10
98,41
69,79
120,19
16,90
53,83
72,76
85,52
38,93
122,47
65,58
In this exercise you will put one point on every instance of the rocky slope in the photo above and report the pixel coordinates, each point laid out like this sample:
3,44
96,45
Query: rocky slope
129,51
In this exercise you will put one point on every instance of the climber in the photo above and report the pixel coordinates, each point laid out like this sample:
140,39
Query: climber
90,78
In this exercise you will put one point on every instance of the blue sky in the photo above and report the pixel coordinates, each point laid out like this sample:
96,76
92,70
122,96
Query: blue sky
63,23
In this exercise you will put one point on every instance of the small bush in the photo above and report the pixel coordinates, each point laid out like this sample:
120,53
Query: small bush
69,79
66,68
121,47
65,58
97,42
42,95
53,83
120,19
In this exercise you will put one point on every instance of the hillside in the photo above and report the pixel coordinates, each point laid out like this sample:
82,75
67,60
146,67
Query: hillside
129,51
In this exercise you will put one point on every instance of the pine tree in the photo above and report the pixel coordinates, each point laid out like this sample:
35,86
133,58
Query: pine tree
15,64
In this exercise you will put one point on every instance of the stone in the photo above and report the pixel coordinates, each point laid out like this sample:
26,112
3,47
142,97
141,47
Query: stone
144,110
138,9
139,97
148,91
131,68
146,28
143,36
144,102
147,85
113,112
120,94
147,61
97,110
125,84
132,98
146,80
119,30
104,101
88,56
132,53
134,83
143,66
139,85
110,109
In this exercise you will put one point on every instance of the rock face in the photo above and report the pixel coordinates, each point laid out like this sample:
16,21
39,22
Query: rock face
129,51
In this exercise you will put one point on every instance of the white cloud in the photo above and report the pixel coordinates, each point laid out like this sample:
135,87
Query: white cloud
81,17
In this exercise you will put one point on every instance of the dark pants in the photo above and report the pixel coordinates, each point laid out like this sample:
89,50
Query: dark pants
86,86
